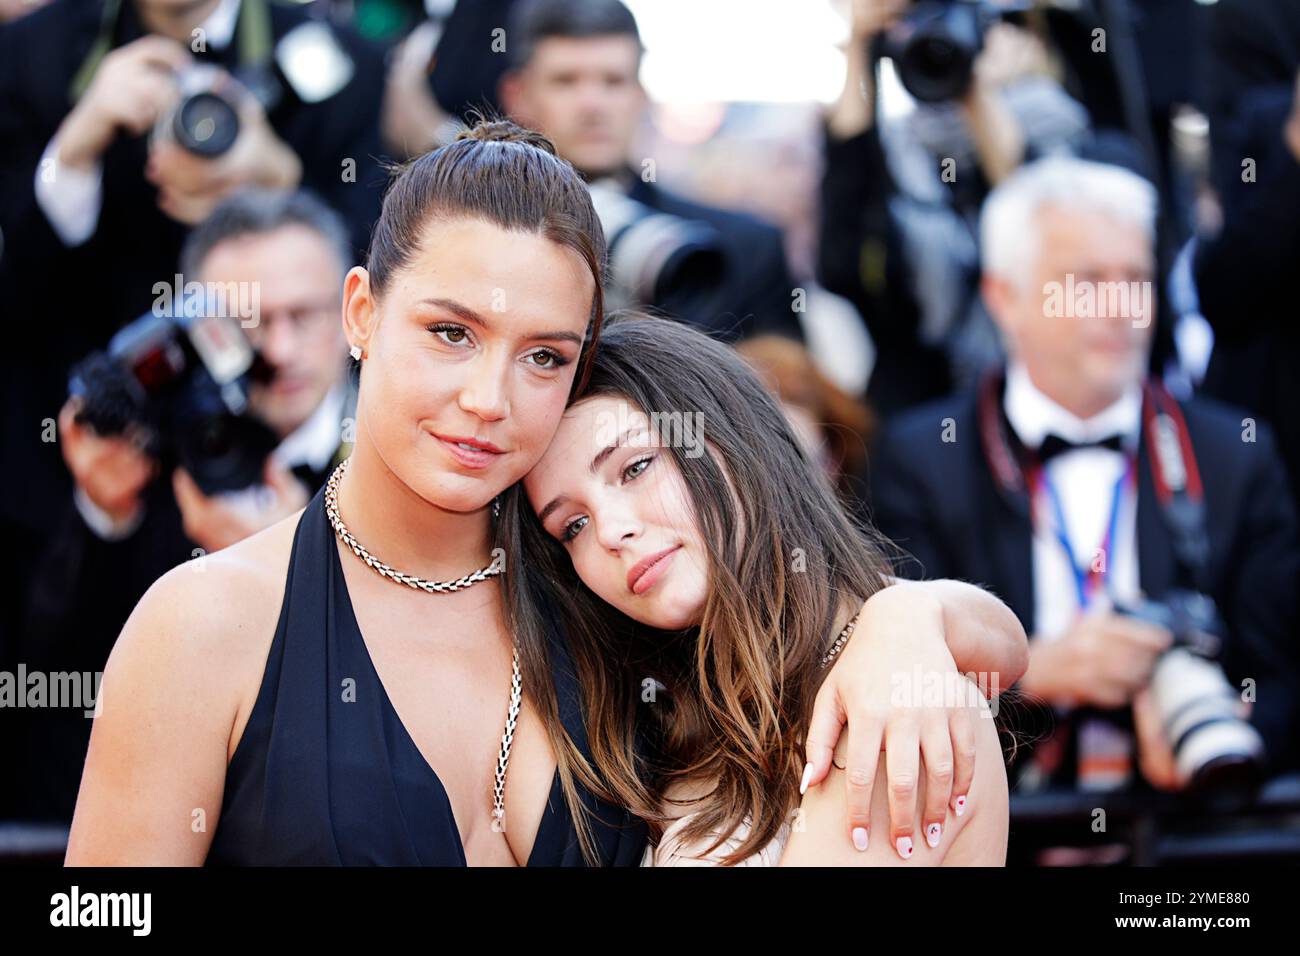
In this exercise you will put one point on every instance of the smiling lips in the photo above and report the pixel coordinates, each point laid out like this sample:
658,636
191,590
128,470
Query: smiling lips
649,570
470,452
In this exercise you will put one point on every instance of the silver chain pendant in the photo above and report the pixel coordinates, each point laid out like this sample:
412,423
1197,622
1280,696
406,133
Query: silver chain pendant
439,587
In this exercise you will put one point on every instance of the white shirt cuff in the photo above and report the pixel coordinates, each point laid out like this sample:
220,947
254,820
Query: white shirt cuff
106,528
70,198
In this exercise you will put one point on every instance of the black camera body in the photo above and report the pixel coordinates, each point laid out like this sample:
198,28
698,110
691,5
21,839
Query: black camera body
1192,617
178,384
934,46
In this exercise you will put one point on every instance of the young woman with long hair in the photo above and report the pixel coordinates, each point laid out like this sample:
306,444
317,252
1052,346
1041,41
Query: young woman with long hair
352,684
697,549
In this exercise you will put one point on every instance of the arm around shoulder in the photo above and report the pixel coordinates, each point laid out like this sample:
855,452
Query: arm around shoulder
976,838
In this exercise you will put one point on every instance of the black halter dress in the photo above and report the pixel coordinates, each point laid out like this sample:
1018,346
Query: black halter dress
320,780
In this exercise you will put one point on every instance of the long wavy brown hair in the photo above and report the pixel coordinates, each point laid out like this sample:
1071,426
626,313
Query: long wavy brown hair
728,701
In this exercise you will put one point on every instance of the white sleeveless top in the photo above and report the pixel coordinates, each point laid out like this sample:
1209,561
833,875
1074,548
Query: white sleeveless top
672,852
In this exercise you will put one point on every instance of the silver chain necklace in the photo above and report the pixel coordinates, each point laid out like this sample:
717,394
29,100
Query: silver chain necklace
438,587
401,577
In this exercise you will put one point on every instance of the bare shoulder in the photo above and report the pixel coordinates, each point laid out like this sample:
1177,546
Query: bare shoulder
217,598
176,693
207,624
983,839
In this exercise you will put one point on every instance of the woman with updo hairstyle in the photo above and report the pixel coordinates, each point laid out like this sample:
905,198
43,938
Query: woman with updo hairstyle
246,719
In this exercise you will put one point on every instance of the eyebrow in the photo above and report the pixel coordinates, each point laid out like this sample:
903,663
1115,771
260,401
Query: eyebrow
469,315
596,462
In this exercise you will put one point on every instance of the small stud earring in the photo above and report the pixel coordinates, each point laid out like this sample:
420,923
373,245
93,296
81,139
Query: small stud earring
355,352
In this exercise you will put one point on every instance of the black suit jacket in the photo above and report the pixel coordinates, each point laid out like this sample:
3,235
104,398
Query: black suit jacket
756,293
940,503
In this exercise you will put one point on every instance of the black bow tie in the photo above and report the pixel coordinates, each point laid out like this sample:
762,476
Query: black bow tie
1054,445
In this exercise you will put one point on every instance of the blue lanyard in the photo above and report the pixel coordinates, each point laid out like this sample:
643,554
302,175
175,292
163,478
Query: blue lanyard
1083,576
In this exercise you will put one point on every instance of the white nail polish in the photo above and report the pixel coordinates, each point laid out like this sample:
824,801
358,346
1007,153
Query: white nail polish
904,846
860,837
960,805
932,833
807,775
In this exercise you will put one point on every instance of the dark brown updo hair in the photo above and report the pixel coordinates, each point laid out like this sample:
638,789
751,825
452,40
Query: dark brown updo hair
502,173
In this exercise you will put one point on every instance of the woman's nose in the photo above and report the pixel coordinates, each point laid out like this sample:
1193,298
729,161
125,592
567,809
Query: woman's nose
486,392
616,529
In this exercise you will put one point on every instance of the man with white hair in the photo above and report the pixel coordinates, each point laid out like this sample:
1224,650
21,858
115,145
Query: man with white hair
1077,488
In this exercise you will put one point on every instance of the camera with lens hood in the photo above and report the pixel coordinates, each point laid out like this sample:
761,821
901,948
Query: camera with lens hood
178,384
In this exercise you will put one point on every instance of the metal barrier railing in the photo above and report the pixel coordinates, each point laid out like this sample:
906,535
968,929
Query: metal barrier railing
1158,828
1163,829
32,844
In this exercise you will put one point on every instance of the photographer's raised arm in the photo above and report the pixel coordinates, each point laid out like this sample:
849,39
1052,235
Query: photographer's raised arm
854,112
131,88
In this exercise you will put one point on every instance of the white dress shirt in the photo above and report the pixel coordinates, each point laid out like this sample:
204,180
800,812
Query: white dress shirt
1085,481
72,198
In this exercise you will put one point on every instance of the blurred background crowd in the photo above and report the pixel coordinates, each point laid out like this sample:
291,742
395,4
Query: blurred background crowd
1018,272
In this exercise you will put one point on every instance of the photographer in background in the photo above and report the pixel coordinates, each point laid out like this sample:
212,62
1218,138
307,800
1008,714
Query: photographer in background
575,77
127,522
124,122
1070,485
900,199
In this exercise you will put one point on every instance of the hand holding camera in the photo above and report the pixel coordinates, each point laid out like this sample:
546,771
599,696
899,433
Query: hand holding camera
210,134
132,88
217,521
1102,661
217,139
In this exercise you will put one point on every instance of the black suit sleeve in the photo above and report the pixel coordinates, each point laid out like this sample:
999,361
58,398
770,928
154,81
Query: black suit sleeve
860,256
901,507
1262,604
1244,274
767,275
83,591
854,244
84,587
28,121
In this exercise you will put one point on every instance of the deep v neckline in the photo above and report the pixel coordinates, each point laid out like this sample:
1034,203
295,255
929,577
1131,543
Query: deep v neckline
549,817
